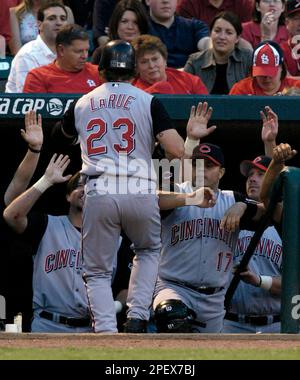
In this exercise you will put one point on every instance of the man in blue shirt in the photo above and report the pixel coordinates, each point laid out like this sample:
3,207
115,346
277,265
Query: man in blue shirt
182,36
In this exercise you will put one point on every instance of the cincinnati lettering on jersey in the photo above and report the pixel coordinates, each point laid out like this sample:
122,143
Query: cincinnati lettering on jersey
266,248
62,259
201,228
113,101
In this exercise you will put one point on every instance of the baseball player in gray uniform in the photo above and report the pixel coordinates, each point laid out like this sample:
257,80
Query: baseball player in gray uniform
197,254
59,296
255,306
117,125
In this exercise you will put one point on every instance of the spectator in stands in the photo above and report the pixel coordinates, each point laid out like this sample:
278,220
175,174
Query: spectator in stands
70,18
224,64
103,10
41,51
129,20
2,47
153,74
83,12
24,22
4,18
69,73
181,36
268,73
267,23
290,47
207,10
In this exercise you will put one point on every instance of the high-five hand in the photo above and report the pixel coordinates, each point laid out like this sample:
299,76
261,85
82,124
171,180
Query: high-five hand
197,124
33,132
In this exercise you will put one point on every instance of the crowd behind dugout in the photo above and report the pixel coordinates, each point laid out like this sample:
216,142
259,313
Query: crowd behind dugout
211,54
242,47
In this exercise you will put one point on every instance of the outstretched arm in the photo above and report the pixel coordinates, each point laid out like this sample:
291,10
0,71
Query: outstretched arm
281,153
33,135
16,212
202,197
269,130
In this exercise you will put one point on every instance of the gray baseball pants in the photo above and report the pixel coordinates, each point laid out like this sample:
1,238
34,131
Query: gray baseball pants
104,216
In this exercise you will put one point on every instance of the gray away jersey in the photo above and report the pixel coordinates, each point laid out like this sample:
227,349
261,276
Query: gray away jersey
115,127
57,274
194,249
267,261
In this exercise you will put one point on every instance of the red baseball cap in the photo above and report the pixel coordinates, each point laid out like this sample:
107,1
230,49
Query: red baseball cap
267,58
260,162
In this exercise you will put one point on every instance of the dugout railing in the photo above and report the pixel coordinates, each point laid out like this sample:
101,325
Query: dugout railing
289,186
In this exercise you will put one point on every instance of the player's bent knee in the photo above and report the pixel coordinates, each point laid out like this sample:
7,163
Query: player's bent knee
173,316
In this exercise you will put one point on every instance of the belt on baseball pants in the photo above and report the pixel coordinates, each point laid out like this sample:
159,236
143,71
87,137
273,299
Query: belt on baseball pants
256,320
199,289
206,290
72,322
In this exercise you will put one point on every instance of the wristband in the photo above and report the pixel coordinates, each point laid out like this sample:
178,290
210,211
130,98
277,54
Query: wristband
33,150
266,282
189,145
250,211
42,184
259,284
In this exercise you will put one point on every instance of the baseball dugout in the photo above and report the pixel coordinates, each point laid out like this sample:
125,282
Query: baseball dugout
238,133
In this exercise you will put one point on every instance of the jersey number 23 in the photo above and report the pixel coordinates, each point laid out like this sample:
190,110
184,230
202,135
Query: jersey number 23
98,128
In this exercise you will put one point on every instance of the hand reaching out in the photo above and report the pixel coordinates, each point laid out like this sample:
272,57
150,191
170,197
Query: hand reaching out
55,170
203,197
270,125
197,124
33,132
282,153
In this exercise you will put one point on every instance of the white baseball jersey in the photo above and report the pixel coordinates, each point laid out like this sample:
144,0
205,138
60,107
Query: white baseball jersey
58,286
111,123
117,125
194,249
267,261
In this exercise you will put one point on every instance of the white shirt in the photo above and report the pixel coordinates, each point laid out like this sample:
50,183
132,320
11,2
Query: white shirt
33,54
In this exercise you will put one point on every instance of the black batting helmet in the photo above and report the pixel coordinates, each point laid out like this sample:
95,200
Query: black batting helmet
117,55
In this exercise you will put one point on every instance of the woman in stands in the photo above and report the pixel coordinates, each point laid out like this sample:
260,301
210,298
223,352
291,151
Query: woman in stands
225,63
154,76
267,23
129,20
